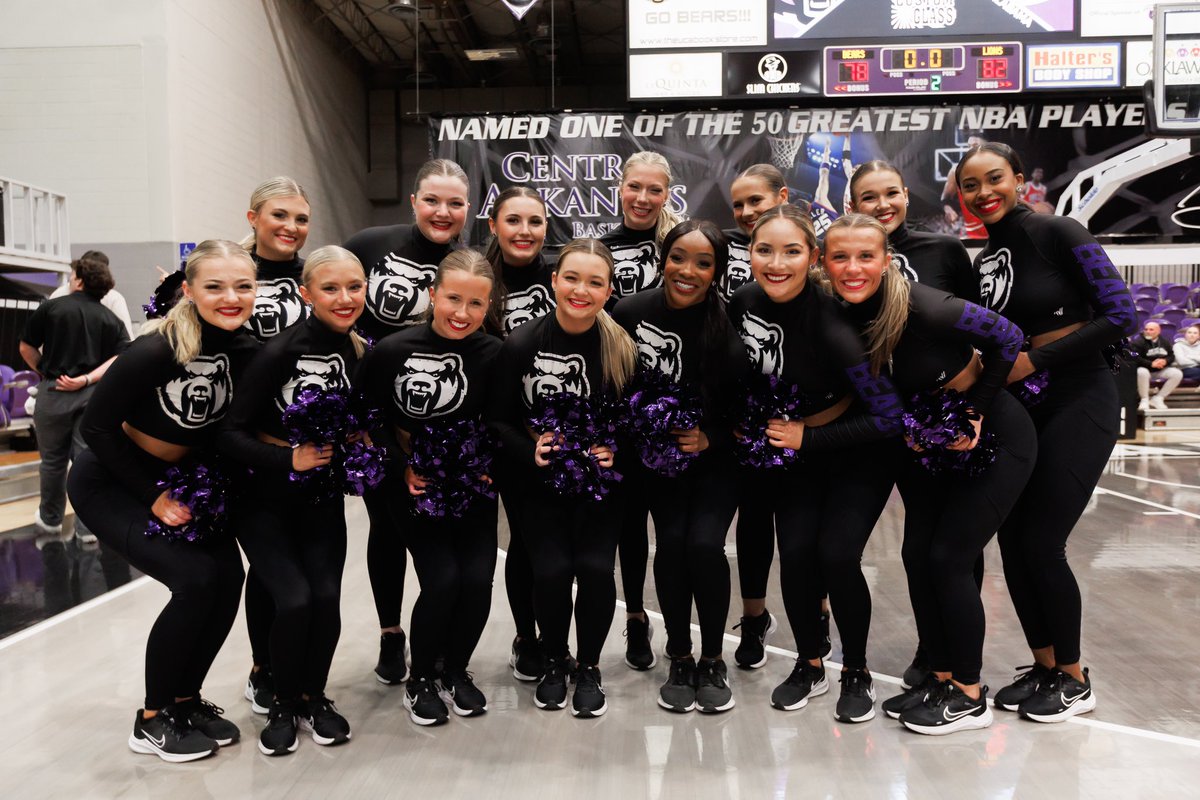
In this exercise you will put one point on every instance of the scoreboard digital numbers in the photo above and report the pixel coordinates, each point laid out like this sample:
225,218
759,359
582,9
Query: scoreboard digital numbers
900,69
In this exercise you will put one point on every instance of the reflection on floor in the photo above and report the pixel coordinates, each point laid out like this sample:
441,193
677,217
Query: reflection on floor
73,683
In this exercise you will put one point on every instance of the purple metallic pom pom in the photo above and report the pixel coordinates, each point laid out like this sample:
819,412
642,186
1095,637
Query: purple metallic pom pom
580,423
658,406
936,421
165,296
767,398
203,489
455,459
1032,390
323,416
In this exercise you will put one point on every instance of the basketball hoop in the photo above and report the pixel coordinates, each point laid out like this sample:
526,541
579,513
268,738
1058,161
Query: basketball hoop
784,150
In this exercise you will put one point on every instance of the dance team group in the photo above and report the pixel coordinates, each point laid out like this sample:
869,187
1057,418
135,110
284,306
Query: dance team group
852,337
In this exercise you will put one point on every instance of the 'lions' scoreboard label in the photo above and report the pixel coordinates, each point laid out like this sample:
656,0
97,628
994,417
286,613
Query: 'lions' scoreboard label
897,69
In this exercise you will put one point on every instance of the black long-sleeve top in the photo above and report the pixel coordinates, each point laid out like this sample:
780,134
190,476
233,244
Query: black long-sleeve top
936,260
670,340
277,301
1147,350
811,343
939,340
305,356
635,260
528,293
400,264
1044,273
154,393
737,272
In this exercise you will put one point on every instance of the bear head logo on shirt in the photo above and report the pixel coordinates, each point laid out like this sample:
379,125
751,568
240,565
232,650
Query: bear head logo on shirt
660,350
277,305
996,279
551,373
634,268
764,343
902,265
430,385
398,290
737,273
313,372
522,307
201,395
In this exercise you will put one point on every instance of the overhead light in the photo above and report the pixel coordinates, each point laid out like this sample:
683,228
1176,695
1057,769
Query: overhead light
401,8
493,54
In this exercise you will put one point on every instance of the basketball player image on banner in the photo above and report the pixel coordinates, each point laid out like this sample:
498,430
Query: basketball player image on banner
1033,193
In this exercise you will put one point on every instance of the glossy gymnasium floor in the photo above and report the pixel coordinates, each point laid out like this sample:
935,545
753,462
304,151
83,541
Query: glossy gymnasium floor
69,687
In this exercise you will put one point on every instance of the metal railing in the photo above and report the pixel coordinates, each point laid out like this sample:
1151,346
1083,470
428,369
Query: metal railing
33,228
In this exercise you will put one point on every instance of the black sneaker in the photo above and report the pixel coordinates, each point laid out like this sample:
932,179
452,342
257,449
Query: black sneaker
206,718
947,709
320,717
713,694
551,693
897,705
678,694
527,660
424,705
1059,698
279,737
169,737
459,692
826,642
805,682
751,652
588,698
1023,687
857,700
260,690
391,668
918,671
638,653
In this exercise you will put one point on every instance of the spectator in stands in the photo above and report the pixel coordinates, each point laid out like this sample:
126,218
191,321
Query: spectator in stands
1187,353
114,301
1154,358
69,341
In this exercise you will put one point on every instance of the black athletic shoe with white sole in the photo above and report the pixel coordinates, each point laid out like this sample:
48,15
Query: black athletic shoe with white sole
169,737
805,683
751,651
321,718
391,667
588,698
425,706
459,692
857,700
947,709
1023,687
639,654
896,705
260,690
917,672
678,694
527,661
713,694
206,718
1059,698
551,693
279,737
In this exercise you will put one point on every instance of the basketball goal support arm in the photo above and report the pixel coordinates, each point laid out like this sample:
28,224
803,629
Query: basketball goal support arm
1093,187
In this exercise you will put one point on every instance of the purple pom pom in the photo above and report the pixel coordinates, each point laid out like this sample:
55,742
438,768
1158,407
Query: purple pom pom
658,406
204,489
165,296
454,458
768,397
937,420
325,416
1032,390
580,424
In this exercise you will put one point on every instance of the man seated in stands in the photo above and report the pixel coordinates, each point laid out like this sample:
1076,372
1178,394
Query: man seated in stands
1187,353
1154,358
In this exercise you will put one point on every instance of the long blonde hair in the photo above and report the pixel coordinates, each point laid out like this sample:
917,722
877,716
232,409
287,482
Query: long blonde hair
667,219
618,353
329,254
181,326
279,186
884,332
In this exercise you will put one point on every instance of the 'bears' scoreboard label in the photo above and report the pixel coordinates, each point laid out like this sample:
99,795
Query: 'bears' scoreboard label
926,69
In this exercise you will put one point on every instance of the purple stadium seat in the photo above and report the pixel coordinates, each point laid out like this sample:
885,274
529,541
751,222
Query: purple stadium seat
1173,315
1174,293
22,381
1146,304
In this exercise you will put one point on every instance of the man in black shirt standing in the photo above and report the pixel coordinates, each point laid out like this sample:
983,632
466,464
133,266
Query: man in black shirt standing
69,341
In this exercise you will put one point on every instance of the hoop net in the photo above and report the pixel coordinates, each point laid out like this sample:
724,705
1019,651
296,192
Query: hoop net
784,150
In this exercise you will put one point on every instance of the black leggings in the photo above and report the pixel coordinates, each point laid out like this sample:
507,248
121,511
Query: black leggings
823,510
571,539
518,572
455,561
692,514
1077,425
634,550
205,579
386,560
298,549
948,519
260,614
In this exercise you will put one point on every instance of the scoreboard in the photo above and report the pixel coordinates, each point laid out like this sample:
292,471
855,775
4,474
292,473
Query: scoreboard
686,49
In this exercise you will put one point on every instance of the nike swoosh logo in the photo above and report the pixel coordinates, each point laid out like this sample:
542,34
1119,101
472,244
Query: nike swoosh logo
1068,702
956,715
159,742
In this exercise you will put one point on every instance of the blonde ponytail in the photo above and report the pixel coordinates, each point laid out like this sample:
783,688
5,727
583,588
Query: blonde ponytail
618,353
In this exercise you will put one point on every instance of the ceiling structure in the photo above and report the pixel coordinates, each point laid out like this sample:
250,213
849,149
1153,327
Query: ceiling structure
459,44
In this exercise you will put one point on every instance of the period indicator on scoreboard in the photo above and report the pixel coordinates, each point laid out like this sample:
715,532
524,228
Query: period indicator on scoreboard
976,67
